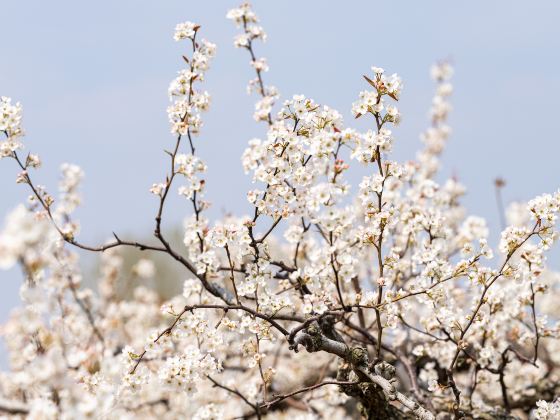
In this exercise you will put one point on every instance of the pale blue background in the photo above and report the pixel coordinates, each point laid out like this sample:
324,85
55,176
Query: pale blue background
93,78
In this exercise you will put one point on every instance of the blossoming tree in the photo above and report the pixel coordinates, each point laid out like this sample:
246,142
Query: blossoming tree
383,300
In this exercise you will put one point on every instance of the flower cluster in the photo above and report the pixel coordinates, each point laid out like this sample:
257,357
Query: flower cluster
185,30
189,166
547,411
184,112
372,101
245,18
395,292
184,371
435,137
10,125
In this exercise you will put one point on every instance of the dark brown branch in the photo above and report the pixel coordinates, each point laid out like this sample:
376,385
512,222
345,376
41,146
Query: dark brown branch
279,398
13,407
239,394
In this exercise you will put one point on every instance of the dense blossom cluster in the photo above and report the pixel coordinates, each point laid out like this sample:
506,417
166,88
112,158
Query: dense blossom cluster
403,307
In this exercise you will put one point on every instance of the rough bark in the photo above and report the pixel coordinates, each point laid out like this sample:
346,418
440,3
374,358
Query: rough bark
377,393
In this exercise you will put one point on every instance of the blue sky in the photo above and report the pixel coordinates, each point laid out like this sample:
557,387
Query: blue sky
93,77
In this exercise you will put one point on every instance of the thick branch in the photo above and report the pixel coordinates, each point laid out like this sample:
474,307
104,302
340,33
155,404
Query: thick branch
313,340
12,407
